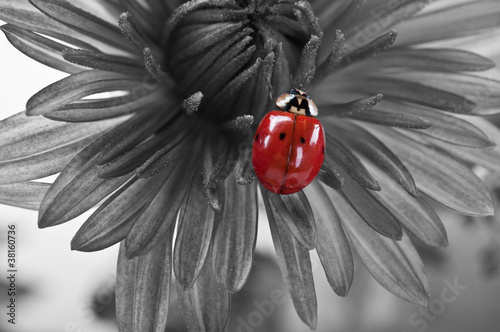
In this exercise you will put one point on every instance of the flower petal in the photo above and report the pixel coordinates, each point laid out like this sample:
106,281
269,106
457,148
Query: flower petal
26,195
484,92
488,158
375,214
205,306
195,230
77,189
296,213
280,79
236,235
112,107
347,109
450,22
417,93
369,50
75,87
432,59
372,148
395,265
392,119
295,265
339,154
307,65
152,287
244,170
23,136
332,245
39,48
329,176
132,132
23,14
143,288
445,127
103,61
111,222
82,21
149,21
417,217
161,212
441,177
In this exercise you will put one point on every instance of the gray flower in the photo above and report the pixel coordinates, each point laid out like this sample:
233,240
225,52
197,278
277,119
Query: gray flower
155,119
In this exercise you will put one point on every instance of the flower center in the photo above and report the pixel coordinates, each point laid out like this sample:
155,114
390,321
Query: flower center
220,50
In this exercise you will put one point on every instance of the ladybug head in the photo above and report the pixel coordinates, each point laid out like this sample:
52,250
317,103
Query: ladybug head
298,102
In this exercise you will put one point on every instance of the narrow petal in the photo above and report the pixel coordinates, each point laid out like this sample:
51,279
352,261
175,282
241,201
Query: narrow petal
369,50
372,148
332,245
395,265
195,230
482,91
139,154
296,213
23,14
23,136
236,236
77,189
244,169
329,176
295,265
347,109
152,287
115,107
417,217
488,158
375,214
103,61
307,65
339,154
42,164
81,21
149,21
417,93
75,87
432,59
132,132
450,22
27,195
392,119
206,305
143,288
39,48
445,127
443,178
281,74
111,222
161,212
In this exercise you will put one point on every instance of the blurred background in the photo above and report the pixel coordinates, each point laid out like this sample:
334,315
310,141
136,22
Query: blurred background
64,290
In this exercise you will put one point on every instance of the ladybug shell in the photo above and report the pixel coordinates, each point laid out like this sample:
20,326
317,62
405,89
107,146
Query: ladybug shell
288,151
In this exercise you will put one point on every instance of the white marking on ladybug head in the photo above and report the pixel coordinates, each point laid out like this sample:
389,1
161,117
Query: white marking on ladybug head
283,100
297,102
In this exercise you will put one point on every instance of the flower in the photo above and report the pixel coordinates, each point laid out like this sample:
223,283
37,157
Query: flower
168,144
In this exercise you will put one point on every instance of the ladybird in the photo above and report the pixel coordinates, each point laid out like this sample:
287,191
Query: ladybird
289,145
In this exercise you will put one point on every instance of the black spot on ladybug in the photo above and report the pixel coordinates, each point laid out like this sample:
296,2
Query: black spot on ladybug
256,137
282,136
323,149
302,140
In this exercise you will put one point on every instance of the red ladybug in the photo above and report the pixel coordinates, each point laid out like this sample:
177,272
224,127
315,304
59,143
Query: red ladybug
289,145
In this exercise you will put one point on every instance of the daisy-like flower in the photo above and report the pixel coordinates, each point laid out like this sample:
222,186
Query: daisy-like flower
155,123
